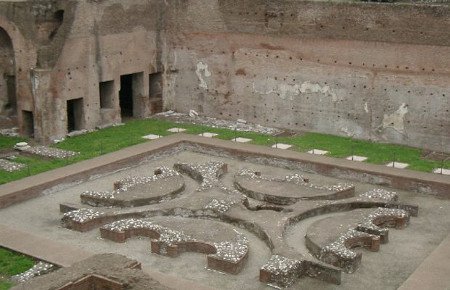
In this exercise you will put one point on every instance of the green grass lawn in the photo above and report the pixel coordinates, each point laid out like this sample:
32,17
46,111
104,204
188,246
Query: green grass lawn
12,263
111,139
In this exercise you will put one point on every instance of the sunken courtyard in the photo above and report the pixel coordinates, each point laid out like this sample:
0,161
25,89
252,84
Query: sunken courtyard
192,212
223,215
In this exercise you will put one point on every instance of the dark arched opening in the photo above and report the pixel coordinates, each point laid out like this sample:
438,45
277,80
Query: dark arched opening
8,98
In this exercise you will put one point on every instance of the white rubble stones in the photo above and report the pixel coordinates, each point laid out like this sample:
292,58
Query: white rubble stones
281,146
232,251
279,265
48,152
283,271
131,181
39,269
208,134
220,206
241,140
218,123
167,236
357,158
151,137
368,222
83,215
11,166
207,173
297,179
339,248
398,165
317,152
379,193
441,171
176,130
10,132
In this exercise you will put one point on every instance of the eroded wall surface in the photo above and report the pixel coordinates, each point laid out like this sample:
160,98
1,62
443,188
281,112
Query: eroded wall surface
371,71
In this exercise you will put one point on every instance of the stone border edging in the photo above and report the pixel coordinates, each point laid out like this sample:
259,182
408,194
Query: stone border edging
30,187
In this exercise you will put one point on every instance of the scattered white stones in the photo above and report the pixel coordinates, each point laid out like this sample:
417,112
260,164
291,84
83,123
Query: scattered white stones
10,166
48,152
151,137
295,178
10,132
207,173
39,269
241,140
379,193
220,206
218,123
281,146
357,158
208,134
398,165
441,171
128,183
82,215
367,225
339,247
176,130
317,152
280,265
232,251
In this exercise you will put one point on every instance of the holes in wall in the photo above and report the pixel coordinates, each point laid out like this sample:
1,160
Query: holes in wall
130,88
106,91
28,123
74,114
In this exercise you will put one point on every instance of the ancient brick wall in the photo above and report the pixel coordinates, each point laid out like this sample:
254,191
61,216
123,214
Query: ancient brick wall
375,71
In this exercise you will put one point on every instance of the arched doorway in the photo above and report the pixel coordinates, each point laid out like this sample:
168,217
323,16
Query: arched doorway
8,98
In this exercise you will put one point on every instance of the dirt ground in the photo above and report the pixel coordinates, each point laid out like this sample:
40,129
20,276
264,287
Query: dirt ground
386,269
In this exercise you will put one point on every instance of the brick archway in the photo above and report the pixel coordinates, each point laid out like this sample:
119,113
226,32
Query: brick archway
8,100
21,56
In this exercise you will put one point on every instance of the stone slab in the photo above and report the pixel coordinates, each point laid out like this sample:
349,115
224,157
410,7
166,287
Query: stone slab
398,165
281,146
441,171
317,152
241,140
176,130
208,134
356,158
151,136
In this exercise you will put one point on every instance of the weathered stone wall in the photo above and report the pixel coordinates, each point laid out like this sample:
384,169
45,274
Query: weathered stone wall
75,46
375,71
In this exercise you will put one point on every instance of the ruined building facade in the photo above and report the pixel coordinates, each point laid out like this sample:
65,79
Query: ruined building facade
367,70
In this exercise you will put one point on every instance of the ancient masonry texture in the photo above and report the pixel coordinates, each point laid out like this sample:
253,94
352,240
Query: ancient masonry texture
378,71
